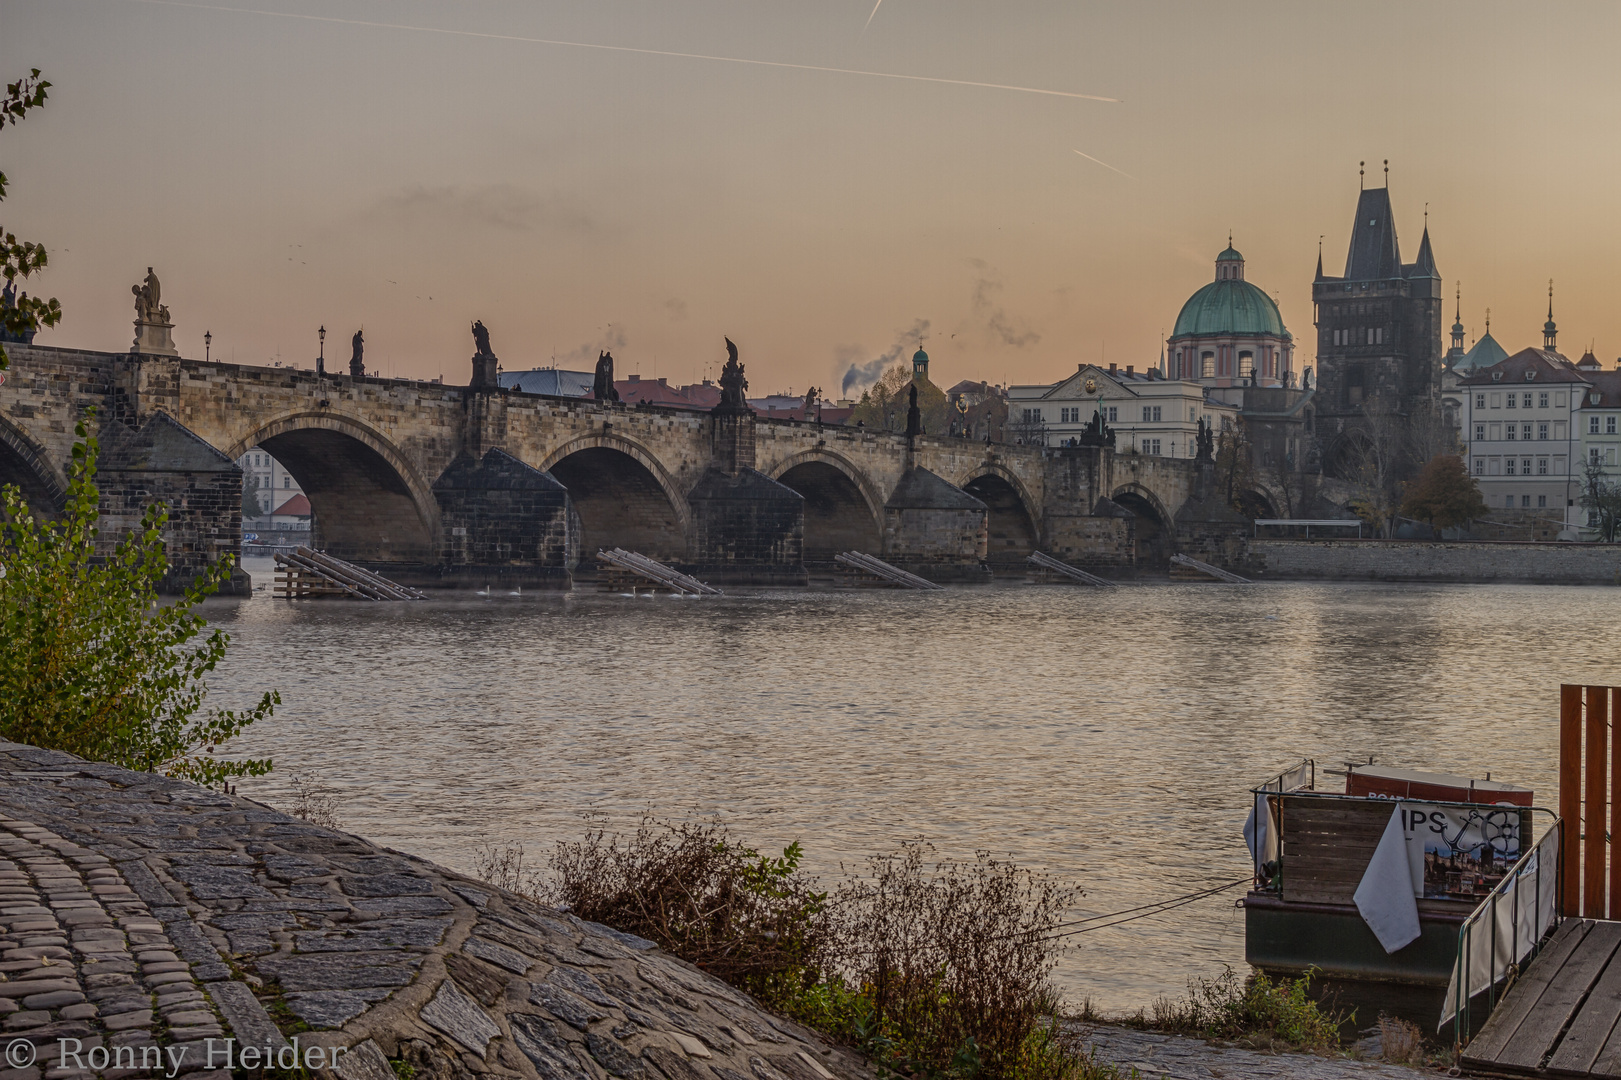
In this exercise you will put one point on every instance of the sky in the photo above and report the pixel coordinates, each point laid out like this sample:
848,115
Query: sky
408,167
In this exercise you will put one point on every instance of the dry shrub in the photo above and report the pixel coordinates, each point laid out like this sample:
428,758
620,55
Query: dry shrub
503,867
755,922
314,801
956,959
1402,1042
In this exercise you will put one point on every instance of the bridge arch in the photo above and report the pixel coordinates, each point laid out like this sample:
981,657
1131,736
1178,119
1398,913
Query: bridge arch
1155,527
843,511
24,463
1011,516
621,495
369,503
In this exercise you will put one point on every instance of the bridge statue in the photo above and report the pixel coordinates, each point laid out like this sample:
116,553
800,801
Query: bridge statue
481,339
486,368
732,384
811,397
914,415
1206,441
152,326
1097,431
357,366
602,388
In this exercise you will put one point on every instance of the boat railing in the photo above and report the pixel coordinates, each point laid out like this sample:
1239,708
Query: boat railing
1508,927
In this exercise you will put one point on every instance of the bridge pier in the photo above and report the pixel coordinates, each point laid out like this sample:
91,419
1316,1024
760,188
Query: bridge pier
935,529
202,488
503,523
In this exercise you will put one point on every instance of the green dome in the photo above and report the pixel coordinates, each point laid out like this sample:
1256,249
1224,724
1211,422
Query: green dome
1230,255
1485,353
920,357
1230,307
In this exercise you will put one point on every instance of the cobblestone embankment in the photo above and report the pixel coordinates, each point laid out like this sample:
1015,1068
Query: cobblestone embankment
1171,1057
142,916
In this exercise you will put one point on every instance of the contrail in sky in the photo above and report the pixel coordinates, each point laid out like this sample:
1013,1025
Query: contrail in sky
628,49
869,17
1106,165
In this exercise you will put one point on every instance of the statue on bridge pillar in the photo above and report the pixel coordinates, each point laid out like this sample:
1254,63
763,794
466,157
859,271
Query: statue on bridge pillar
485,365
357,366
914,415
602,387
1206,437
733,385
1097,432
153,328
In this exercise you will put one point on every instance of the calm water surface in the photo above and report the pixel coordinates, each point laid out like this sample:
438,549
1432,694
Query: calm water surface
1107,736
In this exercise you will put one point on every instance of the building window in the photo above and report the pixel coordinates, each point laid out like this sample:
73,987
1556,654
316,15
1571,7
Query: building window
1609,455
1511,400
1193,414
1480,466
1525,501
1353,385
1542,430
1480,432
1527,399
1525,432
287,481
1609,425
1151,446
1525,466
1508,466
1542,466
1508,502
1542,401
1480,401
1594,455
1542,500
1508,432
1246,364
1114,413
1592,424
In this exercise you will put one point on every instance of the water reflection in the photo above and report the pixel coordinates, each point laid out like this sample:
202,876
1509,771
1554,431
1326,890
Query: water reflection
1108,736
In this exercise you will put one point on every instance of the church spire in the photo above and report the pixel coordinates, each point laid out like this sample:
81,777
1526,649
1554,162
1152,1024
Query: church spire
1457,322
1550,329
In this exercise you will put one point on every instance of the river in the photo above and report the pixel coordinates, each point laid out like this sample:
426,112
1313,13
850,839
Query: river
1107,737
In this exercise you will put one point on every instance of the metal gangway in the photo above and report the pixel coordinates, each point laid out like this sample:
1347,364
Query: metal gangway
628,571
1046,562
1213,571
305,574
869,565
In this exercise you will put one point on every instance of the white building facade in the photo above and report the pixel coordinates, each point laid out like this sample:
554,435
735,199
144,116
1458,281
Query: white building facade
1149,413
1522,428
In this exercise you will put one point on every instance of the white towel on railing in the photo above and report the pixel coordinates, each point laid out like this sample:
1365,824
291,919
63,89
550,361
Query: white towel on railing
1385,895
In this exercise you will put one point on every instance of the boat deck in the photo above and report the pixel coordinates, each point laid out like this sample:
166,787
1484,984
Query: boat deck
1560,1018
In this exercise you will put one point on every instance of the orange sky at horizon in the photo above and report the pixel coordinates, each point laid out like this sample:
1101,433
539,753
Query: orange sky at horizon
410,166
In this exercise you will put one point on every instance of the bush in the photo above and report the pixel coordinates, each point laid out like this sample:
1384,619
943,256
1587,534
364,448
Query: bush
90,663
935,972
755,922
1255,1011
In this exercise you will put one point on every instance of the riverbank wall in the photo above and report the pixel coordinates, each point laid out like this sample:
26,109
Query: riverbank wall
1433,561
142,916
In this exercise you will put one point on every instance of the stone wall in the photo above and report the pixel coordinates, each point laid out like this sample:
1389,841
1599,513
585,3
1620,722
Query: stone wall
503,522
1419,560
746,529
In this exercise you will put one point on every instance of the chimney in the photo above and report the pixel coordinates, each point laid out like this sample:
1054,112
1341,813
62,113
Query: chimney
1131,370
1111,369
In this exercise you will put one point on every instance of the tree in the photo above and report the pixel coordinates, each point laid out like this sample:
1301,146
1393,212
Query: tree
1443,494
251,506
1235,465
1375,460
1601,499
883,404
90,663
22,258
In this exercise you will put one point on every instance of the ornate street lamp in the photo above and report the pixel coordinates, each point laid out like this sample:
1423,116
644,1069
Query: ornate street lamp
208,341
320,361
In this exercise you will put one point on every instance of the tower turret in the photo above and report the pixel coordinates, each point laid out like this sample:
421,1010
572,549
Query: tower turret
1550,329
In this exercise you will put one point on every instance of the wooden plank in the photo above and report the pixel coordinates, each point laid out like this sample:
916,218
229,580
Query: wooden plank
1613,696
1540,1031
1591,1033
1596,762
1570,793
1523,996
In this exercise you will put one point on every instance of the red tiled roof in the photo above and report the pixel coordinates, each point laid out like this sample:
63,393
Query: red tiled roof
1608,386
297,506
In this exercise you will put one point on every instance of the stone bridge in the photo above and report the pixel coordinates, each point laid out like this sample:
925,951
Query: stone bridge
440,484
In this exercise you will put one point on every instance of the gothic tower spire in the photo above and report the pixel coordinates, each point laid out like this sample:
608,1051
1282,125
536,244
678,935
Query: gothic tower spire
1550,329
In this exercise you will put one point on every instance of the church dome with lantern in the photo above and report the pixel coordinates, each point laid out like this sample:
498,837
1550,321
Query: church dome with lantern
1230,332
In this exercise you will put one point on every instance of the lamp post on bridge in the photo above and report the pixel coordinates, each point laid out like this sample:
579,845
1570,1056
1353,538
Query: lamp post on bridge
320,361
208,342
